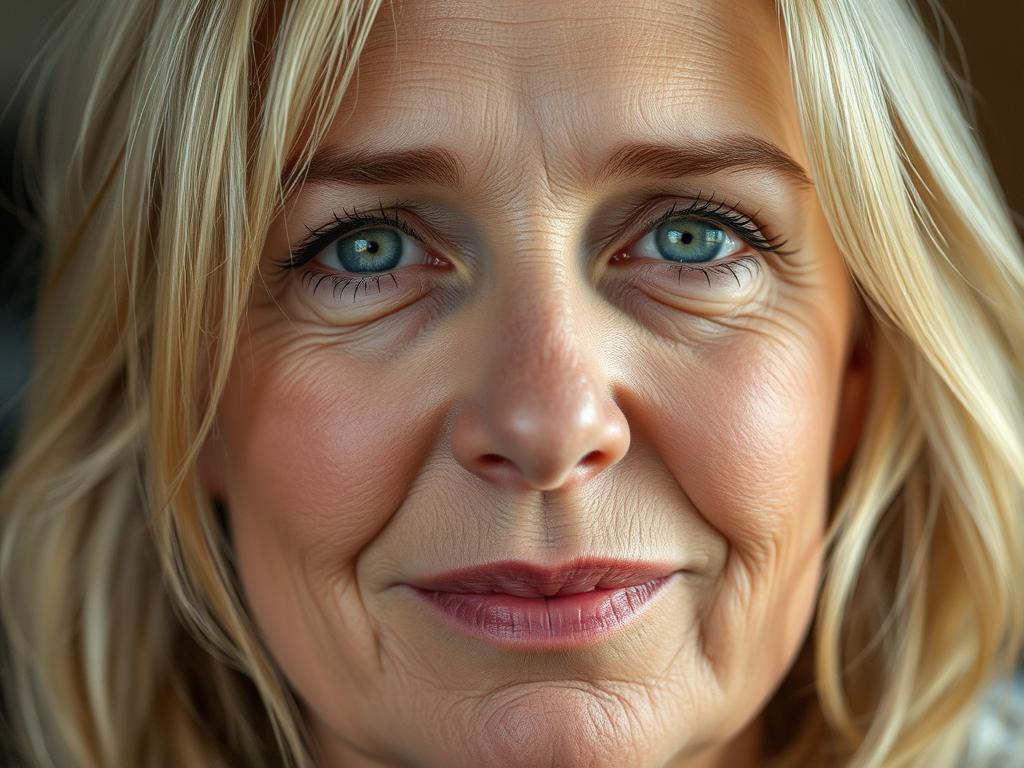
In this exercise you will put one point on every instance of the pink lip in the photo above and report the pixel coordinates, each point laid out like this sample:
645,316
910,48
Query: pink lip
520,605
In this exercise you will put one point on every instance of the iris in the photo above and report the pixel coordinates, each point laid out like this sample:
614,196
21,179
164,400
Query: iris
369,250
690,240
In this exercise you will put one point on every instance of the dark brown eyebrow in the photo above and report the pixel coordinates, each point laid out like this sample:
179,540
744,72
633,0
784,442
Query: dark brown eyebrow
669,161
439,166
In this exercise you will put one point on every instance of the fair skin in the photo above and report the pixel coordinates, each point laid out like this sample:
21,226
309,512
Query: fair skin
514,393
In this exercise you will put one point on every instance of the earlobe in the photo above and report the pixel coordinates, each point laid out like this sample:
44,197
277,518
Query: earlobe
210,465
211,468
853,402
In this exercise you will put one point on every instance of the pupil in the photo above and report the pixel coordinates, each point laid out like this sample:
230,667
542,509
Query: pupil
687,237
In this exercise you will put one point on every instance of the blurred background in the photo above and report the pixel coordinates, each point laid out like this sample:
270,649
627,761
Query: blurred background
989,31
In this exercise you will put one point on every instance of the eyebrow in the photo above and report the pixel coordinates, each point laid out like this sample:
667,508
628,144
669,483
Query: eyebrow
439,166
734,152
364,167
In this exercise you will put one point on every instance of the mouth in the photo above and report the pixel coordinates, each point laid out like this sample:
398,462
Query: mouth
519,605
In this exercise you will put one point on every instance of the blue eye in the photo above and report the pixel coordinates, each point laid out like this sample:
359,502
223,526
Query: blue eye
372,249
687,240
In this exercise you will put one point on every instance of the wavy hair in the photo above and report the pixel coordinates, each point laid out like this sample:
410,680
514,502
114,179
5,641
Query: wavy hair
172,133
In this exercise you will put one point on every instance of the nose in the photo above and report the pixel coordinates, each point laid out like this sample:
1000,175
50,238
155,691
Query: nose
541,416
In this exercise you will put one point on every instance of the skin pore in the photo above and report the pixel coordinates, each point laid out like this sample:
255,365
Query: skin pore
516,390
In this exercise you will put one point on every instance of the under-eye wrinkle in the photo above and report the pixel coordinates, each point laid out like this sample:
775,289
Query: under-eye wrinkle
312,279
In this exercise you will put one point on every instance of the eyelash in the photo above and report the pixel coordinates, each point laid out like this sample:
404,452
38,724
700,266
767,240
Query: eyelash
710,208
744,226
343,225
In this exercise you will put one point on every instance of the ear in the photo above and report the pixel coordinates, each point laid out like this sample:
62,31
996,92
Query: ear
210,465
853,400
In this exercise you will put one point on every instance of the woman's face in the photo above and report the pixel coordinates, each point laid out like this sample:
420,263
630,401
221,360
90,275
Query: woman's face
598,342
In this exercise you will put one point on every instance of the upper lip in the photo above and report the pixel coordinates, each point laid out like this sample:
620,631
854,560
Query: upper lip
516,577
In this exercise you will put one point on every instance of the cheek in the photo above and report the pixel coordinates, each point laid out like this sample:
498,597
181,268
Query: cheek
313,457
315,469
757,447
750,447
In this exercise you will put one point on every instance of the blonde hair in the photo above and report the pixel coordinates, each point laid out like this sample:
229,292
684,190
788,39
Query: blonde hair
168,131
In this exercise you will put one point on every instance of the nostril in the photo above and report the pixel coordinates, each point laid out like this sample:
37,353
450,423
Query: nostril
496,465
493,459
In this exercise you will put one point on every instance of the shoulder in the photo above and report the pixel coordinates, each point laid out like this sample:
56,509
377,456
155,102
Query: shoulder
997,733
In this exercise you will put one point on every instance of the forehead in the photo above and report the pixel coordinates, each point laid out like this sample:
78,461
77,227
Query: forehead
566,80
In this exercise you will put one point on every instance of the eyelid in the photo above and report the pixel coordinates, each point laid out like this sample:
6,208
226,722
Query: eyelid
635,224
343,226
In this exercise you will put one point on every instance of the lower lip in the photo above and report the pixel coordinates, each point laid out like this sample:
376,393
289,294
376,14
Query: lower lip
539,623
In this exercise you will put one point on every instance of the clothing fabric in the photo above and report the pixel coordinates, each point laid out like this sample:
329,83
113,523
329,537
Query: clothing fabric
997,736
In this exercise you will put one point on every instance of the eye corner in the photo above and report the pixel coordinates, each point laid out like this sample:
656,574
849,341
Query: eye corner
292,261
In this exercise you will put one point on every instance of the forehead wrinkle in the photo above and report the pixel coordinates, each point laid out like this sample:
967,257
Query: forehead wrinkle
505,108
517,40
517,32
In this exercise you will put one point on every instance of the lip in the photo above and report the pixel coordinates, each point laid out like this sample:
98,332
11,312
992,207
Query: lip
519,605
